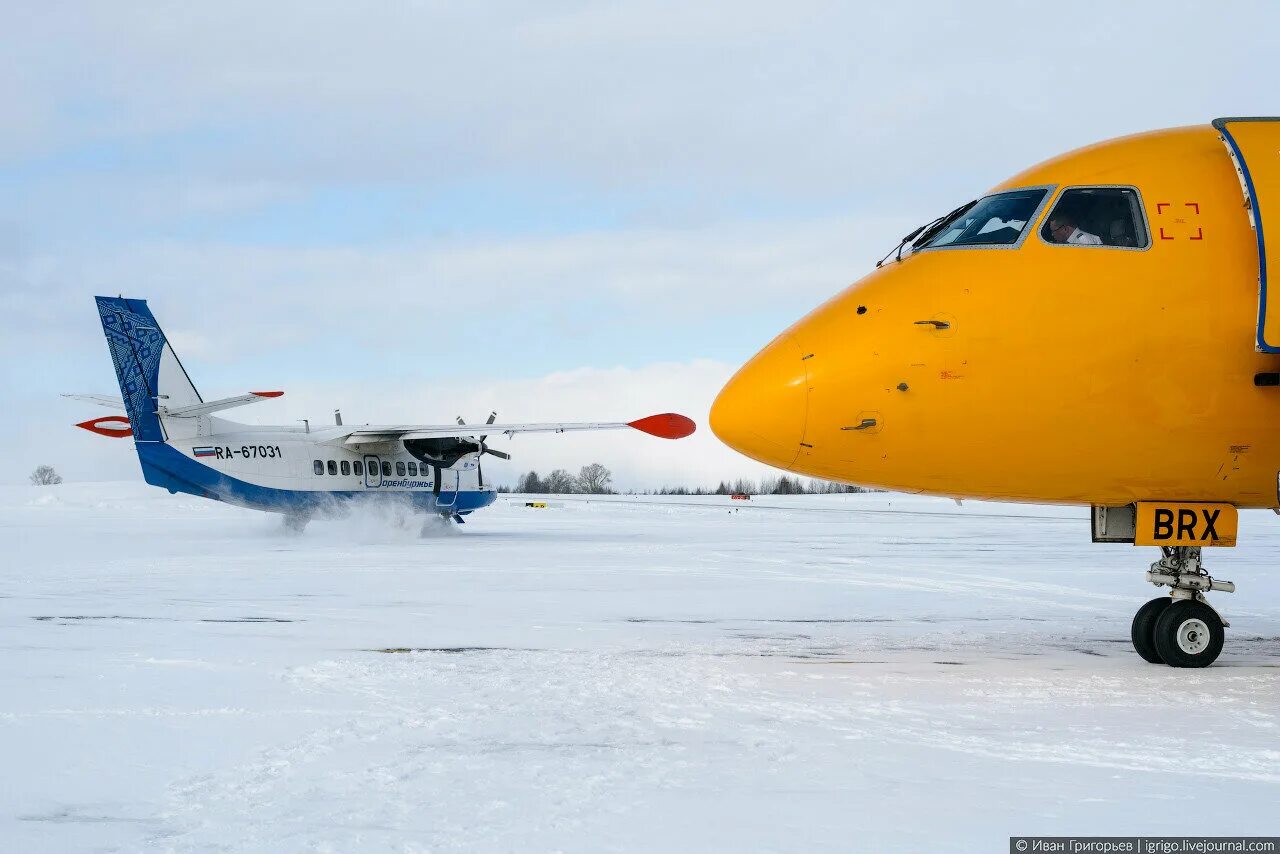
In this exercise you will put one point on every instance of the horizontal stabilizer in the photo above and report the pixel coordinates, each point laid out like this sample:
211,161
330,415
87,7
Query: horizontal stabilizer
110,401
195,410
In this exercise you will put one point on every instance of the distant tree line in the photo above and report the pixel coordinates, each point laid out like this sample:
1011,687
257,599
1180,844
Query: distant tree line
595,479
781,485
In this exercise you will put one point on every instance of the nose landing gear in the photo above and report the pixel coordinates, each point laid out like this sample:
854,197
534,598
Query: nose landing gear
1183,629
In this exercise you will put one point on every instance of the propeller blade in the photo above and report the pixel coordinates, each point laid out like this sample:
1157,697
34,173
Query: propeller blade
492,417
499,454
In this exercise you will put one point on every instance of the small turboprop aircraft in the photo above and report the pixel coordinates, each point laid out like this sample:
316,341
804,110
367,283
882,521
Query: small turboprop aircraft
1102,329
300,472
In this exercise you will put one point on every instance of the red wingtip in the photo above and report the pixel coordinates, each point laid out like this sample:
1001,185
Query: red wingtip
668,425
100,426
267,393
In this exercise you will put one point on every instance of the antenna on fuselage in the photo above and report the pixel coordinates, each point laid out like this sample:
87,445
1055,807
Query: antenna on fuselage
306,425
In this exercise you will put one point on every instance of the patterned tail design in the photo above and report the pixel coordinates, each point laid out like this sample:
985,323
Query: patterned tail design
137,345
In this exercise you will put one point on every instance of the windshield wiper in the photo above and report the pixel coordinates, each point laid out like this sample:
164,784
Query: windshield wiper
932,229
897,250
926,232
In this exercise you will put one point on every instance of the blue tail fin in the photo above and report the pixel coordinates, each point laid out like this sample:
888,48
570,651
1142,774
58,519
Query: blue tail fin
146,367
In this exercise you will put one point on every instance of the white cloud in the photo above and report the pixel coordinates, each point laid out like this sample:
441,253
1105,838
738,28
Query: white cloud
354,303
583,394
371,321
802,101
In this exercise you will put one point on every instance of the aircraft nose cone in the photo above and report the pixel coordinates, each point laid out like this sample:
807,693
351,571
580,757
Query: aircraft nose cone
761,411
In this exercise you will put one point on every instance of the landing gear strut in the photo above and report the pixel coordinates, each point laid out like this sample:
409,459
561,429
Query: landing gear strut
1182,629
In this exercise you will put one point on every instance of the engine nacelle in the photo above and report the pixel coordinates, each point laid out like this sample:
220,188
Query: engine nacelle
443,453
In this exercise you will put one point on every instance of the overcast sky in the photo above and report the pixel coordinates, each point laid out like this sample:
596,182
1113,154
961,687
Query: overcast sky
555,210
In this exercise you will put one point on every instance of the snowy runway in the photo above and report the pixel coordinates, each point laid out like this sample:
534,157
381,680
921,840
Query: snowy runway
180,675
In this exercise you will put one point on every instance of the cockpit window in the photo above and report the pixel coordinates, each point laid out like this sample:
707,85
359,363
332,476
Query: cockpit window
1097,216
997,220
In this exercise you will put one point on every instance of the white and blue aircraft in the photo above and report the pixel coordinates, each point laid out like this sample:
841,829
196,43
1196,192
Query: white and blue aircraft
300,472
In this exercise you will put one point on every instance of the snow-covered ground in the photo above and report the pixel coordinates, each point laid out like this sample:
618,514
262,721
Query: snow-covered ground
656,675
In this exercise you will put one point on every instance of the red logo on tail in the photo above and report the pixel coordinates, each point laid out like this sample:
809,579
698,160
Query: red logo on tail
116,426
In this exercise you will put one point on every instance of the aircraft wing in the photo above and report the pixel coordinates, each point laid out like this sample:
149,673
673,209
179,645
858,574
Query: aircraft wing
667,425
109,401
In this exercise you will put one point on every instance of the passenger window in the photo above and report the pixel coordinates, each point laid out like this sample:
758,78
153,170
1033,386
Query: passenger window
358,468
386,469
333,467
399,469
345,466
413,469
317,467
997,220
1097,216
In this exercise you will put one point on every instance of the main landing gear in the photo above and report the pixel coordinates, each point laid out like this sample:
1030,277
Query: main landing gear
437,524
1181,629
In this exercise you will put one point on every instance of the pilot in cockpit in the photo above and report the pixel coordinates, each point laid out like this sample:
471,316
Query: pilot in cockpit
1063,228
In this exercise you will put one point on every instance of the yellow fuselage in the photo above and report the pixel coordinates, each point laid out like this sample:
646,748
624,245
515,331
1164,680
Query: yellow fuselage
1091,375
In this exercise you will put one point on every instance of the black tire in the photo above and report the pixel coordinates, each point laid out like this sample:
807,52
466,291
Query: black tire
1143,632
1189,634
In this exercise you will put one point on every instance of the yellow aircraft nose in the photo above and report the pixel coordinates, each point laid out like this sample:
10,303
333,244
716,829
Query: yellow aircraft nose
761,411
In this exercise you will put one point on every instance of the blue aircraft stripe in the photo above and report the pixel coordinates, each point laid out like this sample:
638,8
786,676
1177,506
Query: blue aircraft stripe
167,467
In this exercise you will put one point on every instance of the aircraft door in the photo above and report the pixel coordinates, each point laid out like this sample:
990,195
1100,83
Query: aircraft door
1254,144
447,485
372,474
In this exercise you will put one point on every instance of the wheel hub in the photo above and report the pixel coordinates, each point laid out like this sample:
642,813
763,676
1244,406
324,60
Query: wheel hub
1193,636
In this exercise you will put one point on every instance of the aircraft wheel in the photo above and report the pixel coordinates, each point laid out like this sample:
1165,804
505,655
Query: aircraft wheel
1143,632
1189,634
